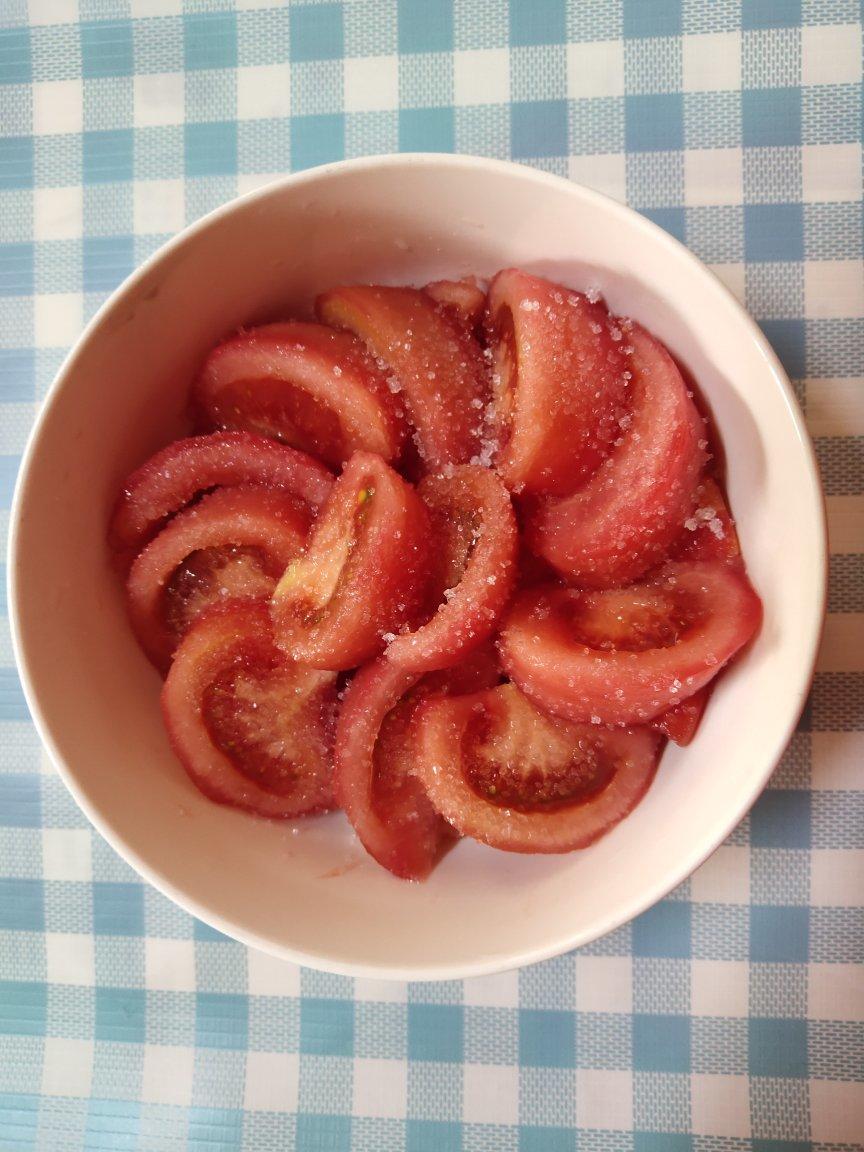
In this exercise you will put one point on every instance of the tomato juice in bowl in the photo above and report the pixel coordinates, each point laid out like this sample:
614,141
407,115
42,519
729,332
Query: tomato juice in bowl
314,897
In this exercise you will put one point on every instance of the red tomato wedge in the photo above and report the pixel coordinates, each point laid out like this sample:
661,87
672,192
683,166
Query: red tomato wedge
251,729
499,770
681,722
464,297
304,384
373,783
558,383
622,522
623,656
176,475
436,364
234,544
364,574
709,533
476,543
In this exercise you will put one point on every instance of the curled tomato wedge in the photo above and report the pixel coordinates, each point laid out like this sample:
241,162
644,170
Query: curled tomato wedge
499,770
558,383
622,521
234,544
364,573
306,385
251,729
464,297
373,783
623,656
176,475
709,532
681,722
476,542
436,364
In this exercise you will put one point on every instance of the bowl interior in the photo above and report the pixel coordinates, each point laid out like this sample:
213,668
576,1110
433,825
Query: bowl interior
308,891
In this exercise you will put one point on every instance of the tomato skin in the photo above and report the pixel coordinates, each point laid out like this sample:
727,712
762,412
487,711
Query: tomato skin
622,522
558,383
305,384
270,521
682,721
437,363
364,574
616,682
225,639
464,297
479,579
385,804
500,727
173,477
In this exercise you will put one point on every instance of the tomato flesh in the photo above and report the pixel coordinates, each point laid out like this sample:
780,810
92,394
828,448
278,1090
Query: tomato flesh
175,476
306,385
385,803
709,533
681,722
558,383
624,656
623,520
499,770
476,546
364,574
252,730
435,363
464,297
233,544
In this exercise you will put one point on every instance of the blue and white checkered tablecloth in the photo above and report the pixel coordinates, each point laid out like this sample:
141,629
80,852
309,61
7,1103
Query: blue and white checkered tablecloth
731,1016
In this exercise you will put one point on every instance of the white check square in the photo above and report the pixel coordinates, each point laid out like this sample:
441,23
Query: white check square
595,70
720,1105
498,991
835,992
380,1088
271,1081
836,1112
263,92
604,1099
833,288
605,172
168,1074
724,878
481,76
58,213
159,99
58,107
69,958
490,1094
712,62
371,83
836,877
67,1067
831,54
268,976
57,322
66,852
159,206
831,172
719,988
713,176
169,965
604,983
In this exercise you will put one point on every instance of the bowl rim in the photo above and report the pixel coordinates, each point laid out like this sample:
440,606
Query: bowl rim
527,955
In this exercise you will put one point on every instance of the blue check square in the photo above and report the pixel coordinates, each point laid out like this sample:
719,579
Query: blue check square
15,65
317,140
779,934
539,128
781,817
16,269
211,149
121,1014
651,17
664,930
107,49
425,25
661,1043
662,1142
778,1047
671,220
108,156
426,130
118,909
323,1133
23,1008
221,1020
108,260
316,32
436,1032
547,1139
22,905
771,117
215,1128
113,1124
537,22
770,14
209,40
326,1027
654,123
16,162
17,381
20,792
547,1038
19,1116
433,1136
773,232
788,339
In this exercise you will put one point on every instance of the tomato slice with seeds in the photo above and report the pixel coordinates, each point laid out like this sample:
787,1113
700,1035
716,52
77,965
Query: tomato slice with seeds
434,361
476,541
176,475
709,532
385,803
499,770
234,544
624,656
464,297
252,729
681,722
624,519
306,385
364,574
558,382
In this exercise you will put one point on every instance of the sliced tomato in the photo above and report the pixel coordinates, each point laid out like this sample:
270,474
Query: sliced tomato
234,544
558,383
709,532
386,805
364,574
436,364
252,729
464,297
624,656
622,522
176,475
306,385
681,722
499,770
476,543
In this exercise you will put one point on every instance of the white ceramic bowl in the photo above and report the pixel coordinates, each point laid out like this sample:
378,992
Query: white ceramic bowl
308,892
